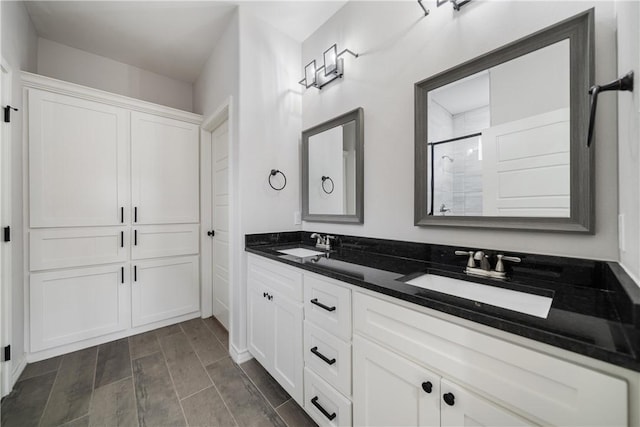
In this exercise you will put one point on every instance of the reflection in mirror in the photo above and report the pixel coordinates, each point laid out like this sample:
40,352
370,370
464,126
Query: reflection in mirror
499,140
332,170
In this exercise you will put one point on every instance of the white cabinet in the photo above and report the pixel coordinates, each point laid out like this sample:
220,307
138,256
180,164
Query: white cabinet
530,383
155,241
459,407
114,184
164,288
392,390
275,322
78,161
75,247
165,170
77,304
388,389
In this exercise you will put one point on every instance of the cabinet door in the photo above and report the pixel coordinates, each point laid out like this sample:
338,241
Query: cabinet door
389,390
73,305
76,247
287,345
462,408
78,161
260,325
155,241
165,170
164,288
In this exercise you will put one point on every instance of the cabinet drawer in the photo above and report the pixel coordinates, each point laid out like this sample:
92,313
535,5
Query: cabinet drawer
328,305
323,403
76,247
284,280
553,390
73,305
320,345
155,241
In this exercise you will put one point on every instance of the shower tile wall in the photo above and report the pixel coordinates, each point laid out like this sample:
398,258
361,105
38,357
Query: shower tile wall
458,165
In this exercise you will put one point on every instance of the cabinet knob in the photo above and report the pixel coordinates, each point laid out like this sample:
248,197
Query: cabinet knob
449,398
211,233
264,294
427,386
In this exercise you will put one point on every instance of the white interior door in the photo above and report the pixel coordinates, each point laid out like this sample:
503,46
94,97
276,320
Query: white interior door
220,221
5,248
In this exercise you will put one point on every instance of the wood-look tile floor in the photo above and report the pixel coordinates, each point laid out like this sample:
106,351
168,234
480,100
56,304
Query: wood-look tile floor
179,375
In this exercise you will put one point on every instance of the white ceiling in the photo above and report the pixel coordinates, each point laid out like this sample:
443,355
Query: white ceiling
465,94
172,38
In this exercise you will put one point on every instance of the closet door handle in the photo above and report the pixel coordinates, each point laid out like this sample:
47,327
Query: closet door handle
326,360
321,305
121,274
135,214
315,403
135,237
135,273
122,239
122,214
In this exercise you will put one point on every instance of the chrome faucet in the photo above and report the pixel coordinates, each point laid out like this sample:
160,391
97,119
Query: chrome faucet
323,242
484,270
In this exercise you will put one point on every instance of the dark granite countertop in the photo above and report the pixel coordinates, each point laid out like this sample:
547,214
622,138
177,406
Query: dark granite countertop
595,309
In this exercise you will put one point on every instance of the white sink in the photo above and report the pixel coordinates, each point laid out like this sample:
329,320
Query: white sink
522,302
301,252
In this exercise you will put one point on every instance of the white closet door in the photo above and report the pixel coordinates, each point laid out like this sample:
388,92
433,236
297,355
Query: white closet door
73,305
165,170
78,154
164,288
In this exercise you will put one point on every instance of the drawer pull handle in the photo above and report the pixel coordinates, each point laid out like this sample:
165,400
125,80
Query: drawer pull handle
315,403
321,305
449,398
427,386
328,361
122,239
121,274
135,214
135,273
135,237
122,214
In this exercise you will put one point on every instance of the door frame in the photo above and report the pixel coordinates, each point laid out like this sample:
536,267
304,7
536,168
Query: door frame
6,381
209,125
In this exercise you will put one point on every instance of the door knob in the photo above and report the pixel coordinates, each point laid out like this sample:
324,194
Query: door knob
449,399
211,233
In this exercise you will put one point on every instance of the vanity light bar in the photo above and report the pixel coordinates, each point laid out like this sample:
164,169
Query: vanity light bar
457,4
332,69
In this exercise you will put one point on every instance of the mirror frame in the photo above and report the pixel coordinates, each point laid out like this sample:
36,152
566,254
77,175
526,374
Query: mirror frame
579,29
356,115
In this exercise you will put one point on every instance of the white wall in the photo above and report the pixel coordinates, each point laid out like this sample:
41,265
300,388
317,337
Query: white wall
19,49
628,16
270,127
77,66
257,66
413,47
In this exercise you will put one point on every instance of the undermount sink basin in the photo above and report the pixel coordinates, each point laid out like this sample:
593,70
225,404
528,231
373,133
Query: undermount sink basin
522,302
300,252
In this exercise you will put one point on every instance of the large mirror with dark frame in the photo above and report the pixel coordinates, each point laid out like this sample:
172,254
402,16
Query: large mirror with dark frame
501,140
333,170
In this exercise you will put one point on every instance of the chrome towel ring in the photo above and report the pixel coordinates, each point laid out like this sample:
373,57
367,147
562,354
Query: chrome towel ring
273,173
324,179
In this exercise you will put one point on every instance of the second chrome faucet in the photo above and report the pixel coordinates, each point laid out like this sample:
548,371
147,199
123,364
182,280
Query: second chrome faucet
483,269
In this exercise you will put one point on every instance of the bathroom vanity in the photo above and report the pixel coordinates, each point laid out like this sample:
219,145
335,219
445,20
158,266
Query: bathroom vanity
367,333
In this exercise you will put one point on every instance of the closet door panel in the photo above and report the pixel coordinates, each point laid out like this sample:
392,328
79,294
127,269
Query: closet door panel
78,161
165,170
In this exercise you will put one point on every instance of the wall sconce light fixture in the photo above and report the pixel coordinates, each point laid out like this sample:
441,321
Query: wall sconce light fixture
457,4
332,68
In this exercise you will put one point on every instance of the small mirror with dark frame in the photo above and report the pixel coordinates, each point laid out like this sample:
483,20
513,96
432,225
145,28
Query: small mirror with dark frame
333,170
500,141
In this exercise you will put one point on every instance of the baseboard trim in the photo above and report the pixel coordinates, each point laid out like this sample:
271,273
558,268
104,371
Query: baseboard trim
19,366
239,356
